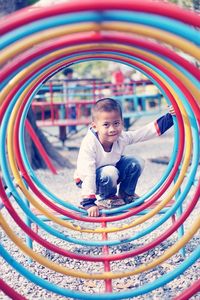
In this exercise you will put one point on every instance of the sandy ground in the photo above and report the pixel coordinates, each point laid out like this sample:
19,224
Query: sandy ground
62,186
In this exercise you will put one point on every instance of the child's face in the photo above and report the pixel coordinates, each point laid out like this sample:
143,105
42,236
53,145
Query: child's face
69,76
109,126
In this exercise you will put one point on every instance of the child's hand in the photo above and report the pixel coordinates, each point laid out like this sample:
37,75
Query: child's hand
93,211
171,110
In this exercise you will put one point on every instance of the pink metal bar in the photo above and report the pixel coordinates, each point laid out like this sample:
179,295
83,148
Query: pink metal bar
38,144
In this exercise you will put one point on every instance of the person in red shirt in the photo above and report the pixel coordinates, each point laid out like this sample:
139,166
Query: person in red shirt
118,81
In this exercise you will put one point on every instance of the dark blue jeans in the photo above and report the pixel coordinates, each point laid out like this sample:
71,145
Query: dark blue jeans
125,173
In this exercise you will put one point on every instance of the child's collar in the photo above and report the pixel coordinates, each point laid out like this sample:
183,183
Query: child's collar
93,131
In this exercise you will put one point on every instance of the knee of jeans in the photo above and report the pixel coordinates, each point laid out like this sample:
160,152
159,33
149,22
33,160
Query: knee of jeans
110,172
141,163
138,166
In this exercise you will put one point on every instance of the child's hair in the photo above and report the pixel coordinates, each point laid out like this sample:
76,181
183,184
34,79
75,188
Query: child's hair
106,104
67,71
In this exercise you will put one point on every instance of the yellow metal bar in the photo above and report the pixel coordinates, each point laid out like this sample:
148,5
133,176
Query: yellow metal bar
106,275
158,34
99,230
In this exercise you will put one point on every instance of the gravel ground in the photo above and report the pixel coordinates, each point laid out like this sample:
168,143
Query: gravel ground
62,186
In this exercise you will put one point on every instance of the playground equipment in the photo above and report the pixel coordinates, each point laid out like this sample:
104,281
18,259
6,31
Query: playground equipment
55,98
38,42
52,103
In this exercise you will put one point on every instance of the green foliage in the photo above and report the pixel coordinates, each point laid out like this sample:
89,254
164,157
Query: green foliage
183,3
93,69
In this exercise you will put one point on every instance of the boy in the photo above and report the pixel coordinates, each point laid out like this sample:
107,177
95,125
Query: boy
101,165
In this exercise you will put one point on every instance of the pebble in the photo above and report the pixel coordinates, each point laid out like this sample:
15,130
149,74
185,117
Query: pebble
62,186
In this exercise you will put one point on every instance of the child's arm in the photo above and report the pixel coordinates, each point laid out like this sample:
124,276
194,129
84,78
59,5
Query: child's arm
151,130
163,123
85,176
90,206
93,211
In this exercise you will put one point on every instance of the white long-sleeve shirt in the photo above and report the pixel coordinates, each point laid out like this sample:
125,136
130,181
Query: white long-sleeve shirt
92,155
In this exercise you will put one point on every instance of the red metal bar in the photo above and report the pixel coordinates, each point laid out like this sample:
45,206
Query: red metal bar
51,101
38,144
189,292
141,206
10,292
129,213
104,37
166,9
105,249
